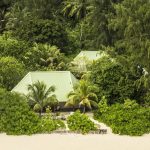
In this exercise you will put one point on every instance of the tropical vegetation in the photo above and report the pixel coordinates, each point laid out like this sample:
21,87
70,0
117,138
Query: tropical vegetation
80,122
83,96
17,118
47,34
39,96
125,119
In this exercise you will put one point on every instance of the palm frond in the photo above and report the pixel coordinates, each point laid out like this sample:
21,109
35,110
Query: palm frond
92,96
93,103
49,91
37,107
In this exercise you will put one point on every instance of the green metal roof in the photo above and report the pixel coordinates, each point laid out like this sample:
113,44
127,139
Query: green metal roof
84,58
62,80
90,55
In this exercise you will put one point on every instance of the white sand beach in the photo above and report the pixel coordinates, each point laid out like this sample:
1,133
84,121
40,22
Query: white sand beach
74,142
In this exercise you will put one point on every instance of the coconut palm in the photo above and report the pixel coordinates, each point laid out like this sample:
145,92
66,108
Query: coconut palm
40,95
52,102
73,100
83,96
75,8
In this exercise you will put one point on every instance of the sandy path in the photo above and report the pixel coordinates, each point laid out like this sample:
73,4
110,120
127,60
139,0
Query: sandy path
74,142
102,126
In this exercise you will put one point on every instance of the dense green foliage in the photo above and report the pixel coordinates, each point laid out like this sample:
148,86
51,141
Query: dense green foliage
83,96
16,117
47,125
115,81
39,96
11,72
125,119
42,31
38,21
12,47
132,27
80,122
47,34
44,57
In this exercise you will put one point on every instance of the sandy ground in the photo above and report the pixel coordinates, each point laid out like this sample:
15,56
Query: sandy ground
74,142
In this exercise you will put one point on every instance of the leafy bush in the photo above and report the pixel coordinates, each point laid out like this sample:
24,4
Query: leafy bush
11,72
102,107
47,124
59,124
17,119
80,122
127,119
15,116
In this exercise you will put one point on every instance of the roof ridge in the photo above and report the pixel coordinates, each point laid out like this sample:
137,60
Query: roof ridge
49,71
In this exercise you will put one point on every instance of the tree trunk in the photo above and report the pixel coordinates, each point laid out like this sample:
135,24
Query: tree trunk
40,114
54,109
84,109
73,108
81,34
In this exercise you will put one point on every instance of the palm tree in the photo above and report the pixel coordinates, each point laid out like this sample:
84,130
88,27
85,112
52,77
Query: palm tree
39,95
83,96
52,102
49,57
73,100
77,9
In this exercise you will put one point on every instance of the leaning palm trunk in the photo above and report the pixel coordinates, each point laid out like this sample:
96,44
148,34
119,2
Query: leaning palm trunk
81,34
84,109
40,112
73,107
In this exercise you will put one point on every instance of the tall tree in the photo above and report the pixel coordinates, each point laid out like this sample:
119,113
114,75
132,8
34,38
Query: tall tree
39,21
75,8
131,23
4,6
78,10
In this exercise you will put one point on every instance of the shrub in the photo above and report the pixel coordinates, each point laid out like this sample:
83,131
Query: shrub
126,119
15,116
17,119
80,122
59,124
102,107
47,124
